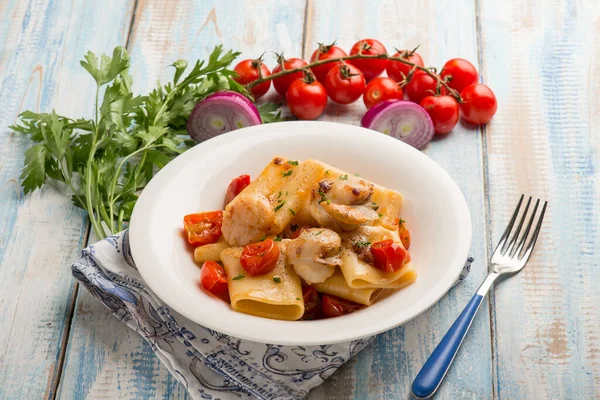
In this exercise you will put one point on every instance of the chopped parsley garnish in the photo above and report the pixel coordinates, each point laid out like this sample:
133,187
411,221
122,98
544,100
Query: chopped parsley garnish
327,172
277,239
279,195
262,239
323,197
287,173
297,298
356,174
380,215
401,221
280,205
375,206
286,193
276,279
318,233
344,177
237,278
292,211
293,162
359,243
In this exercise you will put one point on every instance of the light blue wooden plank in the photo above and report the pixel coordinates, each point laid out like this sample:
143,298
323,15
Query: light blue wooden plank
41,234
104,358
543,61
386,369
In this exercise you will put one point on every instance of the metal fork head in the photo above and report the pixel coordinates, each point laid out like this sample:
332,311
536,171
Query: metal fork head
512,252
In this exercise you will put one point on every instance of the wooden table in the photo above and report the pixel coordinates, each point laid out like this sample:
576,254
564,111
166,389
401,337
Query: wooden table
538,337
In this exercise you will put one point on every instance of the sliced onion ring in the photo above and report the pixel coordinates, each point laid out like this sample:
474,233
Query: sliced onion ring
401,119
221,112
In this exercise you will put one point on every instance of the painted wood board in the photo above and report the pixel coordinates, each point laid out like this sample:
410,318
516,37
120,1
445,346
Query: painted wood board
543,61
42,233
105,359
386,369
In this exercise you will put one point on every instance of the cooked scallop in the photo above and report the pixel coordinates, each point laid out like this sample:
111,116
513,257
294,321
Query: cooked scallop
247,219
351,190
351,214
314,254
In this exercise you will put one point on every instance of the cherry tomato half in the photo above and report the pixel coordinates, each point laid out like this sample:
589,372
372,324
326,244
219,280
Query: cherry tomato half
312,303
333,306
444,112
461,72
345,84
389,256
404,234
371,67
203,228
260,258
398,71
283,83
381,89
422,85
214,280
306,99
479,104
325,52
235,187
248,71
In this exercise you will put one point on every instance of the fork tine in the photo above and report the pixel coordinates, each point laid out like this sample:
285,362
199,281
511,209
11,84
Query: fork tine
506,233
511,246
524,238
536,232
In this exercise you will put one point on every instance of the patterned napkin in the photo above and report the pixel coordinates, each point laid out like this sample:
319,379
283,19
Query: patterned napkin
210,364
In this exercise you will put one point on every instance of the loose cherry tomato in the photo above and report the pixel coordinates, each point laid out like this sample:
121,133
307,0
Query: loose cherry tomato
404,234
398,71
444,112
235,187
203,228
325,52
345,84
306,98
312,303
248,71
283,83
260,258
214,280
422,85
479,104
461,73
389,256
333,306
371,67
380,89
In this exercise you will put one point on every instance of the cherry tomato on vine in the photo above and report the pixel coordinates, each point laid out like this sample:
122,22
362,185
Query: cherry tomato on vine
398,71
345,84
479,104
306,98
422,85
248,71
283,83
214,280
371,67
444,112
380,89
260,258
461,72
325,52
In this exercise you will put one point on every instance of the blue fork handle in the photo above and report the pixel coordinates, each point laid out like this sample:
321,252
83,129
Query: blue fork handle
436,367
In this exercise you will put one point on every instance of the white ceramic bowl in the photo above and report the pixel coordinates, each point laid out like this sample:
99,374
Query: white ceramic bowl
434,208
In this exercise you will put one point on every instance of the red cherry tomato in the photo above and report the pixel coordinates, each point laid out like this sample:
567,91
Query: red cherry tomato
444,112
479,104
404,234
461,72
332,306
203,228
306,99
260,258
398,71
312,303
389,256
345,84
214,280
422,85
248,71
282,84
325,52
235,187
371,67
381,89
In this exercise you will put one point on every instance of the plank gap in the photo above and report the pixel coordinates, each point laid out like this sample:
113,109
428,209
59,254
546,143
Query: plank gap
305,29
131,23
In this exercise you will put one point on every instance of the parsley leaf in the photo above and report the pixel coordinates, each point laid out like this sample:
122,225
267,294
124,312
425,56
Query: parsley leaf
270,112
292,211
237,278
344,177
288,173
361,243
293,163
277,239
281,204
276,279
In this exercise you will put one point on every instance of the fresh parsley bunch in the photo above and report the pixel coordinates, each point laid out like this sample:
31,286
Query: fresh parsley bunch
108,159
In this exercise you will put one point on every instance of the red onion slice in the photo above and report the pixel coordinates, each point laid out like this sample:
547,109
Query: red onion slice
401,119
221,112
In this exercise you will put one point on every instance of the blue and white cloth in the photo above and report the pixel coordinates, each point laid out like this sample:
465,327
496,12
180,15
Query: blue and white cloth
210,364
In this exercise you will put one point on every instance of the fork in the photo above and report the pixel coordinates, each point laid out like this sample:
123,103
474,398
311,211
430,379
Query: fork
509,257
